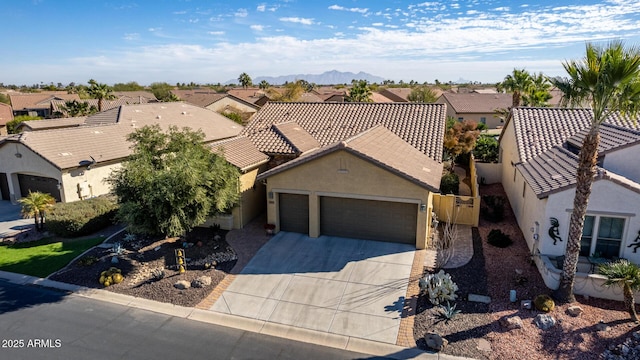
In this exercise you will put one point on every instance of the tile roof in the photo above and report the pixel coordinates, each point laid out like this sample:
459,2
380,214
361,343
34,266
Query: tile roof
106,104
65,148
420,125
379,98
202,99
539,129
240,152
6,114
477,103
612,137
297,137
38,100
397,94
46,124
136,95
252,95
383,148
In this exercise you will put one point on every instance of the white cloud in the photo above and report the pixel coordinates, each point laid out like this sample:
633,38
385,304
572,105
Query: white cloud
241,13
131,36
377,24
215,33
182,12
261,8
155,29
257,27
502,8
342,8
304,21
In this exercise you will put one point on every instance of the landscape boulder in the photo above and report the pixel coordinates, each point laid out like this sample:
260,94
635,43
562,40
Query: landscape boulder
435,341
574,311
511,322
182,285
544,321
201,282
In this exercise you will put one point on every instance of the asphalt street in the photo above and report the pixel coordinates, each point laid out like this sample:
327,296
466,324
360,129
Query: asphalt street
41,323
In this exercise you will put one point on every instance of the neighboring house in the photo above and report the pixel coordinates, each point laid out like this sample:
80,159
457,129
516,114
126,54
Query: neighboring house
330,94
72,163
57,107
254,96
361,170
136,97
538,150
396,94
6,115
379,98
480,108
49,124
220,103
38,104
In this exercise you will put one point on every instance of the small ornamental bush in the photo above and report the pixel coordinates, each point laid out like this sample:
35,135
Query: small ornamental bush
450,184
82,217
544,303
497,238
487,149
492,208
438,287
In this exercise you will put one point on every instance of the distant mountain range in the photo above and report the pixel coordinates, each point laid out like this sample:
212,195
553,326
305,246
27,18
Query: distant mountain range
333,77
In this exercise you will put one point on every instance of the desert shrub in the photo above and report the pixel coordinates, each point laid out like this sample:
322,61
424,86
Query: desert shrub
233,116
544,303
450,184
87,260
492,208
497,238
82,217
438,287
487,149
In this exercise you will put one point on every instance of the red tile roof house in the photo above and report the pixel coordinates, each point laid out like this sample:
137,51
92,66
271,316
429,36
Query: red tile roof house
6,115
71,163
480,108
220,103
37,104
351,169
538,148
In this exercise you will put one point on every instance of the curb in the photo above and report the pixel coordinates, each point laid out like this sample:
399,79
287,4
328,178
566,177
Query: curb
257,326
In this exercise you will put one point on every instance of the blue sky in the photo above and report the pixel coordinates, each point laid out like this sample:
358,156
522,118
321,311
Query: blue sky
214,41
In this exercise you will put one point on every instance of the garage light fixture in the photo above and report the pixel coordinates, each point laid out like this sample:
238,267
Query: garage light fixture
423,207
270,195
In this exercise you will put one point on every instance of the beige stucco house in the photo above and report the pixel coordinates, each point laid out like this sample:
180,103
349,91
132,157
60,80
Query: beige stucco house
360,170
480,108
72,163
538,151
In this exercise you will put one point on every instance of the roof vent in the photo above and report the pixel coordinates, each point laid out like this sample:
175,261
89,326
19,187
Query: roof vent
158,117
556,176
184,113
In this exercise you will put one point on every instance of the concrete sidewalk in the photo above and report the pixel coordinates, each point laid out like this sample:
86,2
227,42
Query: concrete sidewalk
11,221
262,327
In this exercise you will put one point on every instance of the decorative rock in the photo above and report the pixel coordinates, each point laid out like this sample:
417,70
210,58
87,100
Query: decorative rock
114,260
544,321
156,248
435,341
182,285
574,311
484,345
201,282
479,298
511,322
526,304
601,326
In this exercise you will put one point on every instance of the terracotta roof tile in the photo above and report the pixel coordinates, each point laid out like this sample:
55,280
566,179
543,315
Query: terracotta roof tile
297,137
38,101
477,103
551,171
612,137
240,152
6,114
383,148
420,125
202,99
106,104
46,124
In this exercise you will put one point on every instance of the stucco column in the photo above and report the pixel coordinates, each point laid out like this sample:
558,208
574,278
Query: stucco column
14,188
314,215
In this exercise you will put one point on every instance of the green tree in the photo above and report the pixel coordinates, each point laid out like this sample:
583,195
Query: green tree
75,108
12,126
161,90
35,205
5,99
359,91
264,85
608,78
517,83
626,275
101,92
245,80
291,92
423,94
130,86
539,92
172,181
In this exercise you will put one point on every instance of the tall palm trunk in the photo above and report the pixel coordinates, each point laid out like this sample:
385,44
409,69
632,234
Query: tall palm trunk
587,161
629,301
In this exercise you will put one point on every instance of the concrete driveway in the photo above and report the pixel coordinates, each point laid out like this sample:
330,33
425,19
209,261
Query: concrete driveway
342,286
11,222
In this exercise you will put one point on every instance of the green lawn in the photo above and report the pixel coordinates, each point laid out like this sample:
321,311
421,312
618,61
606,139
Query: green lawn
43,257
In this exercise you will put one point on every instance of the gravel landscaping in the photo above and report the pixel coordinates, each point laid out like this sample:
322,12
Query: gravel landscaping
143,260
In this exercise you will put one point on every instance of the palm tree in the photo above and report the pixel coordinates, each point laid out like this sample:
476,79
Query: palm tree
264,85
627,275
359,92
101,92
245,80
75,108
518,83
538,93
609,79
36,204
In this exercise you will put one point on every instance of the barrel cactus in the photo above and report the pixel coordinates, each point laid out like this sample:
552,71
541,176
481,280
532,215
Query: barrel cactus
438,287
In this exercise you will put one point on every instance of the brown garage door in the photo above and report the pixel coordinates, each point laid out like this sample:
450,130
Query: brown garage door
294,212
369,219
38,183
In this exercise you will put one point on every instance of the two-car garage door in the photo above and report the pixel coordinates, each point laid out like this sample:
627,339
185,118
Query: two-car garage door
354,218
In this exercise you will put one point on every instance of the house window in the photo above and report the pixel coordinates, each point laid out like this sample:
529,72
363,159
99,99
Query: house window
460,119
483,120
602,235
